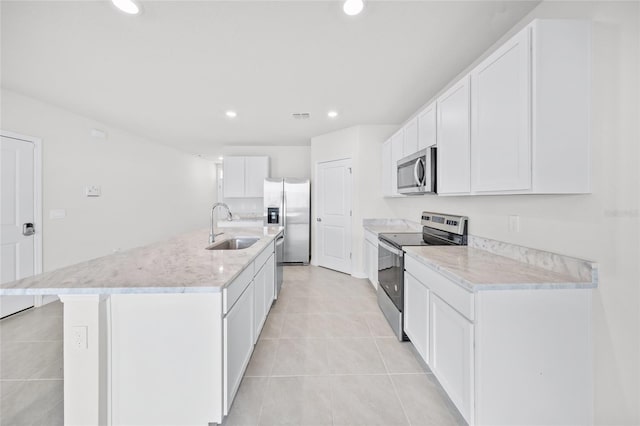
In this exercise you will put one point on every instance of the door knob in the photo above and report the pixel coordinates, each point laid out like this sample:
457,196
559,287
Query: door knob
318,219
28,229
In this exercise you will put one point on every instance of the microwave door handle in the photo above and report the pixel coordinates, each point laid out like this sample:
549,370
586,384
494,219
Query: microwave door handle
419,182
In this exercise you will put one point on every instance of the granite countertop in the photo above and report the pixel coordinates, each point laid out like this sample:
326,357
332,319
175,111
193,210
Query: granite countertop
178,265
381,226
476,269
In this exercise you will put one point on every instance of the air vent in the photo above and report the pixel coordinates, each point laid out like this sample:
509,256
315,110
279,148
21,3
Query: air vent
301,115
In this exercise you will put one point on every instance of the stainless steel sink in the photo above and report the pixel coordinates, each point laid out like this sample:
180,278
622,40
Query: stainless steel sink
235,243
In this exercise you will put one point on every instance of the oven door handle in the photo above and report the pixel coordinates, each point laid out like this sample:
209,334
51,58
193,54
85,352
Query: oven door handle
390,248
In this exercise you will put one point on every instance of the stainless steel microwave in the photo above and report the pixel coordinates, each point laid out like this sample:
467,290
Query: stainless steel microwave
417,173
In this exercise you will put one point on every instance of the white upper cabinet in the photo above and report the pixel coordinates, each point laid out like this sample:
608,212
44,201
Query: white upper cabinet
561,87
256,169
410,144
453,129
427,127
500,115
387,170
397,152
518,123
233,177
244,176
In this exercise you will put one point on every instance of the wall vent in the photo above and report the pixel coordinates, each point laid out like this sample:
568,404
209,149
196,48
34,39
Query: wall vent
301,115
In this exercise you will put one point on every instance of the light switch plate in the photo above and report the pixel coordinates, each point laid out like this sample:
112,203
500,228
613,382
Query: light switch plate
94,191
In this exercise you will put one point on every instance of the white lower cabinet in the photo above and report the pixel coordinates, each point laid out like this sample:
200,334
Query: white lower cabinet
264,294
371,257
514,356
416,318
238,332
244,321
452,354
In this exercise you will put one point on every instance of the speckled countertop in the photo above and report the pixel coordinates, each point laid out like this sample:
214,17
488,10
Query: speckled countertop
476,269
178,265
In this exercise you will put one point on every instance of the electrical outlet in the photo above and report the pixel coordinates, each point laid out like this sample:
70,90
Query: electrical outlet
514,224
94,191
79,336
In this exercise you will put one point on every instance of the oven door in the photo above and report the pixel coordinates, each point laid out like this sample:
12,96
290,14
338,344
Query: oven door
391,272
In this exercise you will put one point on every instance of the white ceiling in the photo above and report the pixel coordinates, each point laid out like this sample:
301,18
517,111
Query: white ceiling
171,73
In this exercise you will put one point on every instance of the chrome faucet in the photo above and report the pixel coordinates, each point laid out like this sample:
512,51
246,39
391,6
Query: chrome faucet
212,231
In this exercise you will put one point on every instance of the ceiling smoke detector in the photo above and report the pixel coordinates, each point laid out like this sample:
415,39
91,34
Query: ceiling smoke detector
301,115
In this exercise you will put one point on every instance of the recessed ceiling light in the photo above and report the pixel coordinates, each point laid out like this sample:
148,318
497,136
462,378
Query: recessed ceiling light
127,6
332,114
353,7
231,114
220,158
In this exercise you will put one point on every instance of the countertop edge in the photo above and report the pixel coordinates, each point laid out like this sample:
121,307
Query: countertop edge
475,287
203,287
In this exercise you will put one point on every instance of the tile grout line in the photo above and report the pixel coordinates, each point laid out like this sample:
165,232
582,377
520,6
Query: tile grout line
395,391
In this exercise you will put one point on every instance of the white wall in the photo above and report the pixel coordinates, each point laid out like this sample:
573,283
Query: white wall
362,145
284,161
602,226
149,192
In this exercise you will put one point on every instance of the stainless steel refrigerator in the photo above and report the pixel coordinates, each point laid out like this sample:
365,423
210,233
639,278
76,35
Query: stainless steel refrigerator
287,203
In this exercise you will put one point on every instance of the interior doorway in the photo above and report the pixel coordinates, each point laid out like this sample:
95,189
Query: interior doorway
20,216
334,214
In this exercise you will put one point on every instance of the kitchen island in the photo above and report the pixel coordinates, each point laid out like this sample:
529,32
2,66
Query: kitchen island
160,334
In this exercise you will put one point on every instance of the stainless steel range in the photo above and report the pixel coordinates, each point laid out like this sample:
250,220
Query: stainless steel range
437,230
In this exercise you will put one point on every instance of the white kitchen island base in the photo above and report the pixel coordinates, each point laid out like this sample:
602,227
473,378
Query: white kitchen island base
143,359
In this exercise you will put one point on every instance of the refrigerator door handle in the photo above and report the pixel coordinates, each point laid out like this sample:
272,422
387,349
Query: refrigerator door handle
284,210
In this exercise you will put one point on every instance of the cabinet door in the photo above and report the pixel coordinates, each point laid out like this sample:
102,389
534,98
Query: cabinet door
255,171
371,262
373,272
453,129
500,116
233,177
387,170
397,152
452,354
238,344
269,284
410,144
259,302
416,314
427,127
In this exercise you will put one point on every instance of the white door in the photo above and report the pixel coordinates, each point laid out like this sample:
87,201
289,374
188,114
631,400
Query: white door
454,153
18,209
500,116
333,218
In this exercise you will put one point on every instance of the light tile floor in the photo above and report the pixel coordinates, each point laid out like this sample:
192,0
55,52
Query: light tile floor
326,356
31,367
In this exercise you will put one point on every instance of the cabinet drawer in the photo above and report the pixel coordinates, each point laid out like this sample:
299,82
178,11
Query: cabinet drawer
459,298
233,291
263,256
